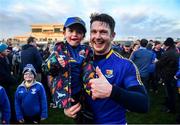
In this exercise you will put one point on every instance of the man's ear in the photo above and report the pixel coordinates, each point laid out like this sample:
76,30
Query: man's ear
113,36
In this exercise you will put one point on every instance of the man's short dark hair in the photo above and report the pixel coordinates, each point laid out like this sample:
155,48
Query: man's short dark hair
103,18
30,39
143,42
157,42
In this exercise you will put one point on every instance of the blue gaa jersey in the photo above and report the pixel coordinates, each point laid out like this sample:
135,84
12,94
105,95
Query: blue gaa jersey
119,72
76,61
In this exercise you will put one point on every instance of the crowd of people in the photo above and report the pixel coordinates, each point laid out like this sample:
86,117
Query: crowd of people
95,83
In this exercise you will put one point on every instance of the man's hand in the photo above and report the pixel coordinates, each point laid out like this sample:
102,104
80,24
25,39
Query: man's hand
100,87
73,110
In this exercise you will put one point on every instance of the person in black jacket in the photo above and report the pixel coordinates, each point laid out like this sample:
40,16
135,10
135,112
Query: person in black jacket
6,79
167,67
31,55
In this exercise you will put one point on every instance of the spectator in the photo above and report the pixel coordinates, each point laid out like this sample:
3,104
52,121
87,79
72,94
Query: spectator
167,67
6,79
143,58
31,55
127,50
5,110
30,98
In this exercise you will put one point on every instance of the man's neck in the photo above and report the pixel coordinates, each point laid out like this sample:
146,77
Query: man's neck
1,56
99,57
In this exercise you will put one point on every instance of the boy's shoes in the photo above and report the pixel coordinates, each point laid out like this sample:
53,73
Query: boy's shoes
167,110
178,120
52,105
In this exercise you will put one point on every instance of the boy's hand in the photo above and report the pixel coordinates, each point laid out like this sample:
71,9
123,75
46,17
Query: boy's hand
61,61
73,110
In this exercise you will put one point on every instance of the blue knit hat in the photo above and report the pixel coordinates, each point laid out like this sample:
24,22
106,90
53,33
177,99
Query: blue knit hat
29,68
75,20
3,47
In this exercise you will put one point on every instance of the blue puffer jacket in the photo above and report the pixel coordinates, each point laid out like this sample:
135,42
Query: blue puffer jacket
30,102
5,109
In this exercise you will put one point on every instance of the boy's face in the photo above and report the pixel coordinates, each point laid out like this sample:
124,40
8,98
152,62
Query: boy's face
74,34
28,76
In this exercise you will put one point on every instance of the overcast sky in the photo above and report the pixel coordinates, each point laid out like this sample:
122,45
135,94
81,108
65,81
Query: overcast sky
141,18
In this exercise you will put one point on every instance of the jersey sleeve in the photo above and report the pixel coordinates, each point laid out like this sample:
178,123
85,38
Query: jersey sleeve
132,76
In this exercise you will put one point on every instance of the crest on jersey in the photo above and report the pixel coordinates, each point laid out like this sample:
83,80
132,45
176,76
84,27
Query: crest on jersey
82,53
33,91
109,73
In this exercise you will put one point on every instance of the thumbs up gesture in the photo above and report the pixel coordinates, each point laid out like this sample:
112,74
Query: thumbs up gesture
100,87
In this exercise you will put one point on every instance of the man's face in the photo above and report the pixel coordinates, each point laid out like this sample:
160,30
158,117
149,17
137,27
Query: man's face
158,46
5,52
127,48
34,43
101,37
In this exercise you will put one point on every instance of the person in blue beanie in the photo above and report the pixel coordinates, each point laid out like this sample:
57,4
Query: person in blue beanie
5,110
30,98
7,80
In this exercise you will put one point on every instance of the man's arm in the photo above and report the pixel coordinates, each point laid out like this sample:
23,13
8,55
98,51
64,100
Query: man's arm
134,98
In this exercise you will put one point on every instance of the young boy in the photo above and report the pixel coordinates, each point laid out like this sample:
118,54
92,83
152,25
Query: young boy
30,98
70,65
5,110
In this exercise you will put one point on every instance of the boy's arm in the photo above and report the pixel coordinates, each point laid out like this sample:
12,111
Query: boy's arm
55,63
19,114
88,69
43,101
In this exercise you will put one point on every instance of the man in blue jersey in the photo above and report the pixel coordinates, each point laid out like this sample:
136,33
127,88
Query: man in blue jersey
118,86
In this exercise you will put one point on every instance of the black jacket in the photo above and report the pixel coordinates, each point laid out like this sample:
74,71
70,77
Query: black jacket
30,55
167,66
6,78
